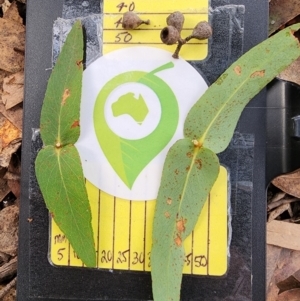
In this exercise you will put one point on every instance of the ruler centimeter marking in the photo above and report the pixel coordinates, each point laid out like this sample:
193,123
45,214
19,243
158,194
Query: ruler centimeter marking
123,229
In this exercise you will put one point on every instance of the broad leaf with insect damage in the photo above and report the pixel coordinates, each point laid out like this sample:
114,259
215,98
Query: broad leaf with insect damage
208,129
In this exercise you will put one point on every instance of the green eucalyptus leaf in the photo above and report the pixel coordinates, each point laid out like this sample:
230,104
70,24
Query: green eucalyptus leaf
61,107
61,180
188,175
213,118
210,125
58,166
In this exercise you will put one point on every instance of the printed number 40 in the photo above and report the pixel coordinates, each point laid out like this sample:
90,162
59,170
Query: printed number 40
123,5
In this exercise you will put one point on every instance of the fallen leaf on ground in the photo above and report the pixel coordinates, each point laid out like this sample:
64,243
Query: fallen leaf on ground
283,234
289,283
292,295
8,132
292,73
289,183
287,265
281,12
3,74
278,211
12,13
7,152
5,5
14,115
4,189
9,221
12,45
13,175
13,90
273,253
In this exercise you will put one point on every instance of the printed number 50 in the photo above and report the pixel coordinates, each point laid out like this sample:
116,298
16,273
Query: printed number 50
123,36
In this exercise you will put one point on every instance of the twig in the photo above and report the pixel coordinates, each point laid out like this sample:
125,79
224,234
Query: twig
281,202
9,269
279,210
278,196
6,289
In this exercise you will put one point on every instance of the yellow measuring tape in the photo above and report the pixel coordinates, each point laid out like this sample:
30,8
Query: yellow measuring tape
122,228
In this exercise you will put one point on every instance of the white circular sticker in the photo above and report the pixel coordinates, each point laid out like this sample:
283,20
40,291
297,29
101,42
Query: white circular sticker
133,107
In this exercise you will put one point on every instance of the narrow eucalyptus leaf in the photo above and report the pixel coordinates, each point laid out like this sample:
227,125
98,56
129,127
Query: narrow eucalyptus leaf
58,166
213,118
61,181
188,175
61,107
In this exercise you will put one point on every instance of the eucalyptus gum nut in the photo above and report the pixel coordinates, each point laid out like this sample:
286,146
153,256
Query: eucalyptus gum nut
132,21
176,19
202,31
169,35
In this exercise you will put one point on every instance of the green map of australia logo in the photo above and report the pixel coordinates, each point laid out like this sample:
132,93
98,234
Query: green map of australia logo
128,157
128,104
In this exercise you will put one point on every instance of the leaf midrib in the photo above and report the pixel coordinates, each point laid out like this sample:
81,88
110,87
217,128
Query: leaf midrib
61,105
66,191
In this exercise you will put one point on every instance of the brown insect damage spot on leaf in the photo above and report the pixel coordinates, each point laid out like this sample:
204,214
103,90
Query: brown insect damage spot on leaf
198,163
75,124
65,96
238,70
178,240
220,80
167,214
180,225
260,73
169,201
79,63
189,155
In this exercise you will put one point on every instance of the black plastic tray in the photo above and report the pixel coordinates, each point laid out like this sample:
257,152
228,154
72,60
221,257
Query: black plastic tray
38,280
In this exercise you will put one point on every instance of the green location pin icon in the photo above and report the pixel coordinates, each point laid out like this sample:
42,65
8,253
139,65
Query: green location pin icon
128,157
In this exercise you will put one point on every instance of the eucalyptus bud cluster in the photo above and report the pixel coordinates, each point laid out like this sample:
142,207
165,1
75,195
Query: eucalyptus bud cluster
171,34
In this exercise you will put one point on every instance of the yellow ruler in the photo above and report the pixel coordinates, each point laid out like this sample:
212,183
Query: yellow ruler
115,37
123,229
